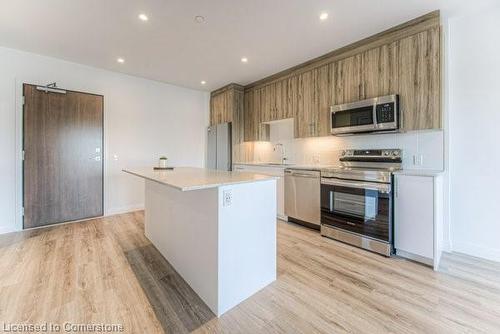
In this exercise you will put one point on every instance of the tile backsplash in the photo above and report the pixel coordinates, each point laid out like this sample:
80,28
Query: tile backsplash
421,149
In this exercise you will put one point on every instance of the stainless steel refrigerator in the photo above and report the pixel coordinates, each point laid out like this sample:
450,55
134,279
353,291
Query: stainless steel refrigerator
219,147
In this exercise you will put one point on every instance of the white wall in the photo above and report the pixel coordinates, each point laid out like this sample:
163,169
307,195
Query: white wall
474,133
143,120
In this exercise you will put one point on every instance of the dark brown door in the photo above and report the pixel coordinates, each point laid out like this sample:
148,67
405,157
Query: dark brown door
63,167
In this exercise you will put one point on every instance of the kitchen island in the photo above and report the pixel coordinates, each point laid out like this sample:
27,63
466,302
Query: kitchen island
216,228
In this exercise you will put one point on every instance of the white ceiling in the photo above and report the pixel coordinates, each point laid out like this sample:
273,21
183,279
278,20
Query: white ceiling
171,47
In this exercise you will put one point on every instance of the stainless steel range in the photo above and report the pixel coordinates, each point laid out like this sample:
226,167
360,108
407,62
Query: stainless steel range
357,199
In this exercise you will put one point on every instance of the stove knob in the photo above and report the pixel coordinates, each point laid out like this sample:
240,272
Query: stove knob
343,153
386,153
395,153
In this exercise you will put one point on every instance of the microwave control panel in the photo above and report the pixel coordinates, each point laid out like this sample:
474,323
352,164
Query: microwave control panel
385,112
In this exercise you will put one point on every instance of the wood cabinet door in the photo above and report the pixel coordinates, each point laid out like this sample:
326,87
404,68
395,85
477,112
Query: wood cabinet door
261,131
217,105
249,112
283,109
254,130
278,102
218,108
267,101
292,95
379,71
313,103
419,80
305,117
347,73
227,110
221,107
321,116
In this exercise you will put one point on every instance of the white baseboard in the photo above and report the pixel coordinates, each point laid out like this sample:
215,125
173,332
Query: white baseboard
7,229
109,212
124,209
487,253
447,247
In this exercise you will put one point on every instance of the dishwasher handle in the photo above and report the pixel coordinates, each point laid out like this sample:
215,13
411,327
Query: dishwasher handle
302,173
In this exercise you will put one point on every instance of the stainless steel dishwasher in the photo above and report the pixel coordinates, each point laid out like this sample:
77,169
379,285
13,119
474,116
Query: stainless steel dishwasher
302,197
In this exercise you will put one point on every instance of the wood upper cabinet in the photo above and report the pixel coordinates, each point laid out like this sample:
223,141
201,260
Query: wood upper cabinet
274,102
267,99
404,61
292,96
419,80
254,130
347,86
314,99
221,109
226,105
249,115
323,82
379,71
281,101
305,117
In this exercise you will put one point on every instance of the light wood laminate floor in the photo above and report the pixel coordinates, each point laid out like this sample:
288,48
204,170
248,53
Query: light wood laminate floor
106,271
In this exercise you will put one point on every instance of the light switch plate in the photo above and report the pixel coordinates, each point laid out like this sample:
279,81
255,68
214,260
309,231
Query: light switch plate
227,197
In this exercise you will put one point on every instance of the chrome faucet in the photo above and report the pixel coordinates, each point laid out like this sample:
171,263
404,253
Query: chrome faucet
283,157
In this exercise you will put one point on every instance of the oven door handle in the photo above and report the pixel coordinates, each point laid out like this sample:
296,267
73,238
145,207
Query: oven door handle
383,188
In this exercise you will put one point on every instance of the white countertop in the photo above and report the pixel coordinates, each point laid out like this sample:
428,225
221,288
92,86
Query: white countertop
284,166
411,172
419,172
190,178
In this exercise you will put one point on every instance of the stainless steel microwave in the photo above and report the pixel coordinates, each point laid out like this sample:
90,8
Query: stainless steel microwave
379,114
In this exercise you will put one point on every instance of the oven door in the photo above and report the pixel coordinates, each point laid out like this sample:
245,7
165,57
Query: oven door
360,207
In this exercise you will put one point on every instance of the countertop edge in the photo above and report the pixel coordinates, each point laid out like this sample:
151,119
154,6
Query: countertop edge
302,167
151,179
419,172
204,186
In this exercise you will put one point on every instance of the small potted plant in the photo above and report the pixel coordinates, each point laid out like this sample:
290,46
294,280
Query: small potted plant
163,162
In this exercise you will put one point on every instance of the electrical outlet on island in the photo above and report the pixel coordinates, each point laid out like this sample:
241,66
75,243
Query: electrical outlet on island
227,197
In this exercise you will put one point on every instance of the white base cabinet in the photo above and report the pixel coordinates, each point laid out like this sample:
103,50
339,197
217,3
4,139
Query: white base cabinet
280,184
417,218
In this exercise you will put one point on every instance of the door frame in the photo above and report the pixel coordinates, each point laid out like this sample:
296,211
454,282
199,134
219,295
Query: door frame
19,133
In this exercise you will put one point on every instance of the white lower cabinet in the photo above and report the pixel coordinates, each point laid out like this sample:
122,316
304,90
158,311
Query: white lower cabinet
416,218
280,183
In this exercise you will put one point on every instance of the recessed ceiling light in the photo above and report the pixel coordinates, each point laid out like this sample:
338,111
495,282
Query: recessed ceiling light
244,60
323,16
203,82
120,60
199,19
